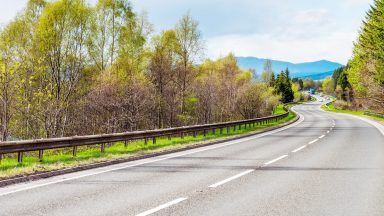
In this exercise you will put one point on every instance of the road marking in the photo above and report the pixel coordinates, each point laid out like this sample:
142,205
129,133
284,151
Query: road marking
299,149
77,175
231,178
158,208
321,137
313,141
328,132
275,160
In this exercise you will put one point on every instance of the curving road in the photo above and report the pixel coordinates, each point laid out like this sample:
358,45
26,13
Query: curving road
325,164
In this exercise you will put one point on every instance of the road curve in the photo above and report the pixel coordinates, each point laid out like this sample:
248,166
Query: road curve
325,164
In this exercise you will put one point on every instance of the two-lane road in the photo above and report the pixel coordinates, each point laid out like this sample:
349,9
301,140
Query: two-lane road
325,164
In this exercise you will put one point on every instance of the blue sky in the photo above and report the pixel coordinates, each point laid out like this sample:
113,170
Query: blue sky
292,30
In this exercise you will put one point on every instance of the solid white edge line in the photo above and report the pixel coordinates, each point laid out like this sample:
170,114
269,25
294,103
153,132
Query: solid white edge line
321,137
160,207
313,141
24,186
231,178
299,149
275,160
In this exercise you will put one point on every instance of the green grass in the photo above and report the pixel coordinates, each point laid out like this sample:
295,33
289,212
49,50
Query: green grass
279,110
331,107
59,159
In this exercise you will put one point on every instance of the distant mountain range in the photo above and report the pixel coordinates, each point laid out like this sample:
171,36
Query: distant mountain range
317,70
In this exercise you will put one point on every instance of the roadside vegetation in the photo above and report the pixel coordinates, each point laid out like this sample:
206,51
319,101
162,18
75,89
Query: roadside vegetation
55,160
359,86
69,68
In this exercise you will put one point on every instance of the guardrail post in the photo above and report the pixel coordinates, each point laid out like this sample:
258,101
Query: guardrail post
74,151
182,135
102,148
227,130
205,133
169,137
20,157
125,143
1,158
214,131
221,130
41,153
239,126
154,140
145,141
234,128
194,134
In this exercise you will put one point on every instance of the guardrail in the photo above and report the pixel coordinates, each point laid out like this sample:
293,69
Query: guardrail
369,113
40,145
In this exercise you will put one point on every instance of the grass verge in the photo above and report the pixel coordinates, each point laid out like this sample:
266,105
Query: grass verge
331,108
62,159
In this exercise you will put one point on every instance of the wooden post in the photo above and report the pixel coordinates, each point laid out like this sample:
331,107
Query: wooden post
221,130
1,158
227,130
102,148
214,131
145,141
194,134
205,133
169,137
74,151
154,140
20,157
41,153
125,143
182,135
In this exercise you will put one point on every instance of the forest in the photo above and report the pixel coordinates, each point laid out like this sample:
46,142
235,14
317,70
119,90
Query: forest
69,68
360,85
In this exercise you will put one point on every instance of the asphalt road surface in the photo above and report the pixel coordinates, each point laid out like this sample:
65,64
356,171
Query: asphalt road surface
325,164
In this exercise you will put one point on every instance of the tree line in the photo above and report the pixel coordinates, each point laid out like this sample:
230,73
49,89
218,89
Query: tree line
361,83
70,68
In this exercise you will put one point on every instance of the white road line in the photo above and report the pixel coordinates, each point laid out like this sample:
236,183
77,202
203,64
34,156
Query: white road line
299,149
275,160
328,132
158,208
313,141
72,176
321,137
231,178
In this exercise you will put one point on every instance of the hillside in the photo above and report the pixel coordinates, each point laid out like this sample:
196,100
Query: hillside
312,70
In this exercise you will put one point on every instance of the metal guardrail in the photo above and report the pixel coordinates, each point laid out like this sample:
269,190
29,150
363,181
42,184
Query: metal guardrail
73,142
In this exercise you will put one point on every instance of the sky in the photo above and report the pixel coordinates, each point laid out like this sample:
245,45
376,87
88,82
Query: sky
290,30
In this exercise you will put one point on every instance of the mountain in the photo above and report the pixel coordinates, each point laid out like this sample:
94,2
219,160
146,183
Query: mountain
317,70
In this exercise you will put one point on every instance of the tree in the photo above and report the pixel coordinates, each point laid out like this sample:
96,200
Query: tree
267,75
106,26
162,69
283,86
366,68
61,34
189,49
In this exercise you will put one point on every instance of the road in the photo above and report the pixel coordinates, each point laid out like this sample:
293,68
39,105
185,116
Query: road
324,164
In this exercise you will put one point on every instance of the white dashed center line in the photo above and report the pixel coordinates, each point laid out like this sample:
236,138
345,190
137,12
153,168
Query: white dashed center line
313,141
299,149
158,208
231,178
275,160
321,137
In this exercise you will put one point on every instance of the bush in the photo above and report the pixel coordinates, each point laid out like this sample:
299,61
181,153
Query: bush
343,105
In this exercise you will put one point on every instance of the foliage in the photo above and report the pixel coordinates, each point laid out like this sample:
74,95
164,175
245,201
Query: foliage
68,68
366,67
